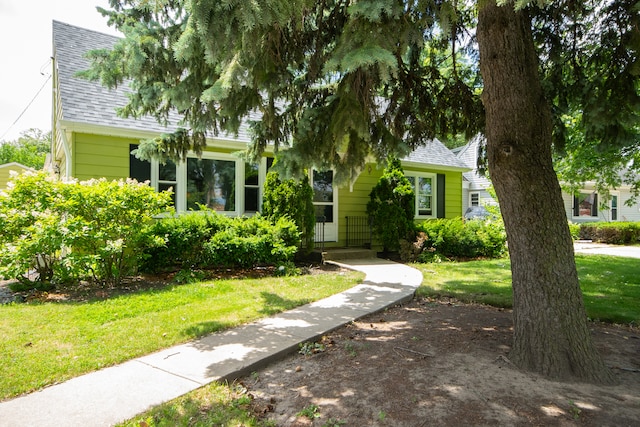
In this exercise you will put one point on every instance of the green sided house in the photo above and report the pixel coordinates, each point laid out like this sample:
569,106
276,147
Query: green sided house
91,141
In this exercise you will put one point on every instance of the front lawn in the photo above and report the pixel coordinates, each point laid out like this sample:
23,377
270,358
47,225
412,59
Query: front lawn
48,342
610,285
611,288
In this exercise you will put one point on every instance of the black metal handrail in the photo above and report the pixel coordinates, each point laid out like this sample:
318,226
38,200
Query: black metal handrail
358,231
319,231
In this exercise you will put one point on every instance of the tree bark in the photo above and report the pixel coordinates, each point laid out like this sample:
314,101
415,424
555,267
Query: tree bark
551,334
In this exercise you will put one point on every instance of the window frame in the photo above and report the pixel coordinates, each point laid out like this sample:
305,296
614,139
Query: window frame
594,206
413,176
180,185
614,211
477,197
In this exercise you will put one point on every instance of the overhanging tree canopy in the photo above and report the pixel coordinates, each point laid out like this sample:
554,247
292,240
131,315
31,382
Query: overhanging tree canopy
339,80
334,80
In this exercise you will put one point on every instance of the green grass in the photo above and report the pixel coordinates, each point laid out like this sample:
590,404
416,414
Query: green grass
611,288
212,405
610,285
45,343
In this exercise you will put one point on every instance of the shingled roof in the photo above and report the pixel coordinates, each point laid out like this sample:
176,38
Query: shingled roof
435,153
468,154
89,103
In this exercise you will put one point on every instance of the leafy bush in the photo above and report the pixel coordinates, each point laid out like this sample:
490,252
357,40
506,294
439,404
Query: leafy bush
392,207
574,230
459,239
618,233
34,231
182,239
66,230
114,215
293,199
205,239
252,241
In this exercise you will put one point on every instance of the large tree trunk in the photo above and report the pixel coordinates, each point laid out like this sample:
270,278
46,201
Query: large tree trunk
551,334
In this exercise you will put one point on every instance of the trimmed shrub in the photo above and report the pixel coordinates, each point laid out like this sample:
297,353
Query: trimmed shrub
205,239
181,240
618,233
293,199
455,238
574,230
392,207
252,241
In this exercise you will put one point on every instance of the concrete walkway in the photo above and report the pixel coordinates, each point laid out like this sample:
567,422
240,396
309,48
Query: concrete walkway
584,247
115,394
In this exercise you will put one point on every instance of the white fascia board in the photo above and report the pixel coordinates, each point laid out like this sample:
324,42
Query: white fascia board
222,142
434,166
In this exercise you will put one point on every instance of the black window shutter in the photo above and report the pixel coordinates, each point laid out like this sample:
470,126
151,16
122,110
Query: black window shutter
594,208
576,206
139,170
440,196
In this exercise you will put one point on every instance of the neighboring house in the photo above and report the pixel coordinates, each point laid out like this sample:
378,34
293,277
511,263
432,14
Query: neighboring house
7,168
474,185
585,206
90,141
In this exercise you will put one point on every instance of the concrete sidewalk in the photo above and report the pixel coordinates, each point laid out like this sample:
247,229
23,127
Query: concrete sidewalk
585,247
115,394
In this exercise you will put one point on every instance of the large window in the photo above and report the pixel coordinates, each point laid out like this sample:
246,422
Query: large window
585,205
614,207
211,183
217,181
424,188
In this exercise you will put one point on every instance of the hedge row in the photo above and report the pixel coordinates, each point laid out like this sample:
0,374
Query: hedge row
619,233
207,240
54,231
456,238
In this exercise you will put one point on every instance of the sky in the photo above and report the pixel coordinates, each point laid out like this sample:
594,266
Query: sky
25,52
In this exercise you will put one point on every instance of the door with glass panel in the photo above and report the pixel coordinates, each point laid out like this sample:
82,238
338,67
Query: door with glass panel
325,203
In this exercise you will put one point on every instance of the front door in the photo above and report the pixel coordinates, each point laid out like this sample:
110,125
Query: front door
324,199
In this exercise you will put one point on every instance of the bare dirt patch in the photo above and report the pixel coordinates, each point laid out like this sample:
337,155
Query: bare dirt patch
440,363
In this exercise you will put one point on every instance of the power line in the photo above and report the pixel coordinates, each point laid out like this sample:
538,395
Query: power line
27,107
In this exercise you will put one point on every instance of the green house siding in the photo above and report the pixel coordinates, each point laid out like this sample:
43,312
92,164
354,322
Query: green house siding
97,156
452,191
453,195
353,201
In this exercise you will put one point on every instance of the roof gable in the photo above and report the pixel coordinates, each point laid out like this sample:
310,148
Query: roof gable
15,165
85,102
436,154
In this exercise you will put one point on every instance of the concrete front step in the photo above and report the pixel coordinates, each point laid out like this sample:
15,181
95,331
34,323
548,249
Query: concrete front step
338,254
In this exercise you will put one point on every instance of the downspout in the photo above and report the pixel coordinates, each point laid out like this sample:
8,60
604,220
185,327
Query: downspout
54,112
67,155
56,132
